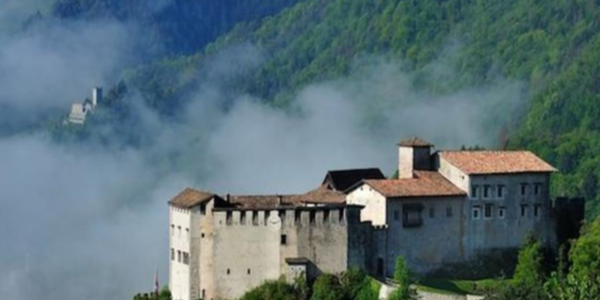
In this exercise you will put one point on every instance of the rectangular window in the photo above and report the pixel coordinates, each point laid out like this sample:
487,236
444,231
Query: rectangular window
432,212
178,256
203,209
172,230
179,231
396,215
537,189
284,239
297,215
500,191
537,210
243,217
474,192
228,217
523,189
412,215
476,213
449,212
523,210
487,190
487,211
312,216
187,233
172,254
501,212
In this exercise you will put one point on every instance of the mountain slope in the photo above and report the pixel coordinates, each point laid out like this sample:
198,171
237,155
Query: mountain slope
552,46
175,26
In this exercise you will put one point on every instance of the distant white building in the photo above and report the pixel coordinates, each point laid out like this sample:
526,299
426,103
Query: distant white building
79,111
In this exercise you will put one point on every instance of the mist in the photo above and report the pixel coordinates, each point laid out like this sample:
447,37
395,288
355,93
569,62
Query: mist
88,221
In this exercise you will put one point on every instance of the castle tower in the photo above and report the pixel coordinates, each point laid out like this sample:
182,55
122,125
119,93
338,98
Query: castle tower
413,154
96,96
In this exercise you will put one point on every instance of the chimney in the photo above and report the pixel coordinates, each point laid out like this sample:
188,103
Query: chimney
96,96
413,154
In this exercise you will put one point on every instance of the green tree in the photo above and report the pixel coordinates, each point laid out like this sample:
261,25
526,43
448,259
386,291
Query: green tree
404,291
327,287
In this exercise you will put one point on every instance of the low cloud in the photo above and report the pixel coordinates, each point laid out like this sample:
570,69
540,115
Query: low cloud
87,221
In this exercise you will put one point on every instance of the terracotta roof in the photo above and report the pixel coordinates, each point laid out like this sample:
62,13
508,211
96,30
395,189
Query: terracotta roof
323,195
496,162
424,184
341,180
190,197
262,201
414,142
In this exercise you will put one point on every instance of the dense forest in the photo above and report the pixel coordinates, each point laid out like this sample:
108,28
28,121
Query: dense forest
552,46
174,27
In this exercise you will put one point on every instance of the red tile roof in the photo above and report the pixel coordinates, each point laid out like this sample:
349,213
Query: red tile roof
424,184
496,162
190,197
320,195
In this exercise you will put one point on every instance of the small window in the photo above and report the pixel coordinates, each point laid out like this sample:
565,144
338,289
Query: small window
501,212
326,215
487,211
449,212
487,191
537,189
412,215
172,230
179,231
178,256
243,217
476,213
297,215
202,235
312,216
537,210
228,271
249,272
203,209
523,210
523,189
172,254
432,212
284,239
187,233
500,191
396,214
255,218
203,294
474,192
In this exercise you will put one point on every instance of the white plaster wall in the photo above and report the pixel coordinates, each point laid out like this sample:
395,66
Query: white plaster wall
179,240
374,204
405,162
454,175
242,247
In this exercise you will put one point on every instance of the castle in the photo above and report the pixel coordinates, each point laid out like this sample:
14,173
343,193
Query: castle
445,208
79,111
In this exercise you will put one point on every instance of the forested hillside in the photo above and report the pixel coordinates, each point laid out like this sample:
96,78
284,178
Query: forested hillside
552,46
173,26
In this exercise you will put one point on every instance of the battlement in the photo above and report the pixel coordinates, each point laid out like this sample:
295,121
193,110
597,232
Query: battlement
288,217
